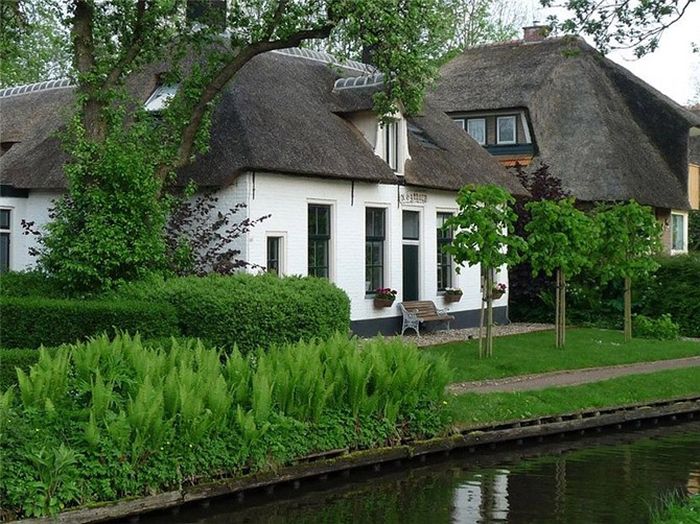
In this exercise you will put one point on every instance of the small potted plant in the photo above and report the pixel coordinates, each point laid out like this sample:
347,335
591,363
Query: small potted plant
498,291
384,297
453,294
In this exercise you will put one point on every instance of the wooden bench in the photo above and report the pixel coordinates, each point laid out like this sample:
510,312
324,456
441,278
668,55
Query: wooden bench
418,311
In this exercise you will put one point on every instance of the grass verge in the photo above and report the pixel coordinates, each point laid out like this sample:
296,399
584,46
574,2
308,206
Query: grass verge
535,353
678,511
476,408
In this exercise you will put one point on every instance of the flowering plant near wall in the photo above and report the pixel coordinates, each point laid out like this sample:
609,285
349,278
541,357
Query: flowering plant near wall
453,291
385,293
500,288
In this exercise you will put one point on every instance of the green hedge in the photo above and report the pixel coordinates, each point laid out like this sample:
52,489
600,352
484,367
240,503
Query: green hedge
10,359
250,311
29,284
31,322
674,289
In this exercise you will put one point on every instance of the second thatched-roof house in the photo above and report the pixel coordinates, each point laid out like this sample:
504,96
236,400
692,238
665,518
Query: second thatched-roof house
294,136
605,133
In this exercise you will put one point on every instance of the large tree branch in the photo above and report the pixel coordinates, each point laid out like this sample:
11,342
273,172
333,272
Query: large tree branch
133,49
84,62
221,78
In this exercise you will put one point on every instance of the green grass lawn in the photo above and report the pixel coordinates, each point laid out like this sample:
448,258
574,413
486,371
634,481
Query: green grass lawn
475,408
535,353
679,511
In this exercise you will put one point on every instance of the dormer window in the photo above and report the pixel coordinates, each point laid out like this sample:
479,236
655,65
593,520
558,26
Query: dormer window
505,130
160,97
391,145
476,127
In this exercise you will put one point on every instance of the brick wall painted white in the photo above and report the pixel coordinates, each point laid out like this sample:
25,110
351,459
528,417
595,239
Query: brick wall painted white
34,208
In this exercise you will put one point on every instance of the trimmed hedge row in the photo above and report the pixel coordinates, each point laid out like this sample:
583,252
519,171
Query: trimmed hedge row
29,322
674,289
250,311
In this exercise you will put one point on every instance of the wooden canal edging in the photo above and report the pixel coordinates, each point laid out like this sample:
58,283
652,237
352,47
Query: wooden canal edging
319,466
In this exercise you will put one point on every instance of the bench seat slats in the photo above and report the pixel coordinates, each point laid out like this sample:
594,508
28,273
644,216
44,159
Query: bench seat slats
417,311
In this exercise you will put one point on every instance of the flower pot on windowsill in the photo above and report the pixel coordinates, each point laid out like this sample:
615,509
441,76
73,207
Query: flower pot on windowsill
383,302
452,297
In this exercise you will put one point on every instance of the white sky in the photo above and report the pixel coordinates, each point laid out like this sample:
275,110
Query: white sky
673,68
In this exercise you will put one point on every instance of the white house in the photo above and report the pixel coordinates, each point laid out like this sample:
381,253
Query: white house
294,136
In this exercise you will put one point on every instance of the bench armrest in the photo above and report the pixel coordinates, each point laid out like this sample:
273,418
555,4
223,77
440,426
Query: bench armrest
442,312
410,315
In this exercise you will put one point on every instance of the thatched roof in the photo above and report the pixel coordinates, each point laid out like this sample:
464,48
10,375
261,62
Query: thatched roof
694,141
280,114
608,135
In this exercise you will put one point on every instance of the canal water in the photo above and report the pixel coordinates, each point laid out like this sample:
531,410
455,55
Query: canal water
616,478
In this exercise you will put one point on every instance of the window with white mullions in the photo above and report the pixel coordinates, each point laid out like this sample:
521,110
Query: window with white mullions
274,254
319,240
505,130
444,260
5,216
476,127
375,233
391,145
678,232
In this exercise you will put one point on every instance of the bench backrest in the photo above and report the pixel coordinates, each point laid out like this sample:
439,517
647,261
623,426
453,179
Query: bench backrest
423,308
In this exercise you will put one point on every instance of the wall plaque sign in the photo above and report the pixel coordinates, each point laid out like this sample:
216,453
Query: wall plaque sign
414,198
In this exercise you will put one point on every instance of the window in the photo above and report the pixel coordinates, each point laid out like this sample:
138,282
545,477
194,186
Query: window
374,248
411,225
4,240
505,130
476,127
160,97
444,260
274,254
391,145
460,122
319,240
678,232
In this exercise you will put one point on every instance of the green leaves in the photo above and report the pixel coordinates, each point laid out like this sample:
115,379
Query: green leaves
484,228
560,237
630,237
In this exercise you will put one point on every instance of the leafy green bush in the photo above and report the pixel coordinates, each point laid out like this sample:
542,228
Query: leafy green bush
694,230
142,420
32,321
249,311
28,284
674,289
662,328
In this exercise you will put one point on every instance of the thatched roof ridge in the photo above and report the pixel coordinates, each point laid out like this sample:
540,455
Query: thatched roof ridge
607,134
280,114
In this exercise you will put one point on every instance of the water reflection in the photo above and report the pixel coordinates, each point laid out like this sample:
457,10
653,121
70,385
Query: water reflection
613,479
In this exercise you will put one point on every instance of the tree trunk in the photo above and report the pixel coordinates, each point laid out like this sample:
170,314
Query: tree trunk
489,313
562,316
628,309
560,313
557,309
481,318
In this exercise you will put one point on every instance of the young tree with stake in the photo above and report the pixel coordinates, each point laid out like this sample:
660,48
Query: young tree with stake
560,241
483,234
630,236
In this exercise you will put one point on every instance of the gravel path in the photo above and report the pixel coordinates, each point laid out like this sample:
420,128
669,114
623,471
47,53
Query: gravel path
432,338
571,377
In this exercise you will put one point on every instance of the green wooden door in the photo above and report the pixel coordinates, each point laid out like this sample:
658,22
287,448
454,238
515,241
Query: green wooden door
410,272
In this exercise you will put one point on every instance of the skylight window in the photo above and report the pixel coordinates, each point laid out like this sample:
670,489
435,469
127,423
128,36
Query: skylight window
160,97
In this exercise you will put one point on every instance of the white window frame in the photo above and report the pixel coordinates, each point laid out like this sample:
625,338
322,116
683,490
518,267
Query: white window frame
512,118
390,136
684,247
332,241
483,122
282,262
8,230
461,122
161,96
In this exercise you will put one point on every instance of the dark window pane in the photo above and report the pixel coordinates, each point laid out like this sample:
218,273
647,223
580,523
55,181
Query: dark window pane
444,260
411,229
273,254
374,248
4,219
4,252
319,240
